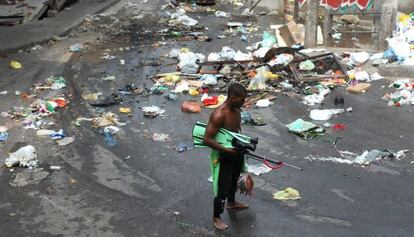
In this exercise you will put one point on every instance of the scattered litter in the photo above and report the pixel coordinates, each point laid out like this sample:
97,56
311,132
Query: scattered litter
403,95
57,135
209,100
317,98
182,87
15,65
161,137
25,157
307,65
305,129
191,107
107,119
112,99
287,194
91,96
111,130
269,40
258,169
124,110
209,79
44,132
358,88
109,78
324,114
3,129
366,158
376,76
360,58
109,133
182,147
258,82
3,136
109,139
56,82
65,141
222,14
108,57
170,96
263,103
76,47
152,111
55,167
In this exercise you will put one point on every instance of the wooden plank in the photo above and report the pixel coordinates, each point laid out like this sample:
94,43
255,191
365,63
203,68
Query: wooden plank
327,25
311,26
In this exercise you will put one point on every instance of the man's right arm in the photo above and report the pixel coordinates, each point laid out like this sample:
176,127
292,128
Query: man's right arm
215,122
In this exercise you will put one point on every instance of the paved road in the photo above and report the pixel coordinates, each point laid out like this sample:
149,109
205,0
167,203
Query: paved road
133,188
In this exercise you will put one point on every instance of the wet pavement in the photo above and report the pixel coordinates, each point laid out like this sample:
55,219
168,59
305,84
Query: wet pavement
135,187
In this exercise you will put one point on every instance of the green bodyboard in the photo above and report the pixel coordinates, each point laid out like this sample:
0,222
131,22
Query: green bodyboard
224,137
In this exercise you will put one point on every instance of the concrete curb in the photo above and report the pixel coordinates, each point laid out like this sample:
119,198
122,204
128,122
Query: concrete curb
19,37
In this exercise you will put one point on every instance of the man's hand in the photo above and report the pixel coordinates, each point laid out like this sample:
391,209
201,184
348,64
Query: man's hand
234,152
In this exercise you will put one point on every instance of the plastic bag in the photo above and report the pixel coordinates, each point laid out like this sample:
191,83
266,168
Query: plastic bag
209,79
227,53
287,194
24,157
188,62
258,82
360,58
243,56
268,40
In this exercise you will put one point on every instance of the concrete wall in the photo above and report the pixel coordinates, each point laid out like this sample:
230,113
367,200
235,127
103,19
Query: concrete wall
406,6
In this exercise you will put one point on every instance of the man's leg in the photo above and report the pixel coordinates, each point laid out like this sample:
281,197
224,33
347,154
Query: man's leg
224,185
236,171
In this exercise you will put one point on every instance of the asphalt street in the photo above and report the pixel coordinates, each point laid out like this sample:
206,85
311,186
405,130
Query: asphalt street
142,187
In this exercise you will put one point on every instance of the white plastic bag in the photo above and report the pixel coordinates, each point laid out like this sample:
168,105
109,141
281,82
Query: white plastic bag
258,82
24,157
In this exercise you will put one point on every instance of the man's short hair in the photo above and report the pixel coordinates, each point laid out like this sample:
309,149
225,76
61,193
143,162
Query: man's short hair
236,89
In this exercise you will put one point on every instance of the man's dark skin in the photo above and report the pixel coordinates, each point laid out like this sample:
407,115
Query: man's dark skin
226,116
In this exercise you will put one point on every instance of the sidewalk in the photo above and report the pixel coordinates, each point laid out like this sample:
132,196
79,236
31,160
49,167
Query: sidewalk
23,36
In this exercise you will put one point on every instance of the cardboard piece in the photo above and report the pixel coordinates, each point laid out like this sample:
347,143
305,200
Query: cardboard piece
293,33
358,88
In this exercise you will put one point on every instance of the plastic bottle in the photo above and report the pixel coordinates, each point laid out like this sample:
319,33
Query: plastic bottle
194,3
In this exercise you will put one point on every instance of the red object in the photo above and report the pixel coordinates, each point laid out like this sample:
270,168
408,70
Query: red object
60,102
212,100
273,167
339,127
191,107
203,90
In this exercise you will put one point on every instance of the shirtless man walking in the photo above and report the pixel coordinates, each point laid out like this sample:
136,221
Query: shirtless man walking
229,162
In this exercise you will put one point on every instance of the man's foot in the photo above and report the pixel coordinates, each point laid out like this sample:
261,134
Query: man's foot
236,205
219,224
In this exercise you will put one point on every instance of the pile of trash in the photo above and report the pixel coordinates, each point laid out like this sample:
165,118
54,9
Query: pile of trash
364,159
401,44
403,95
32,117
